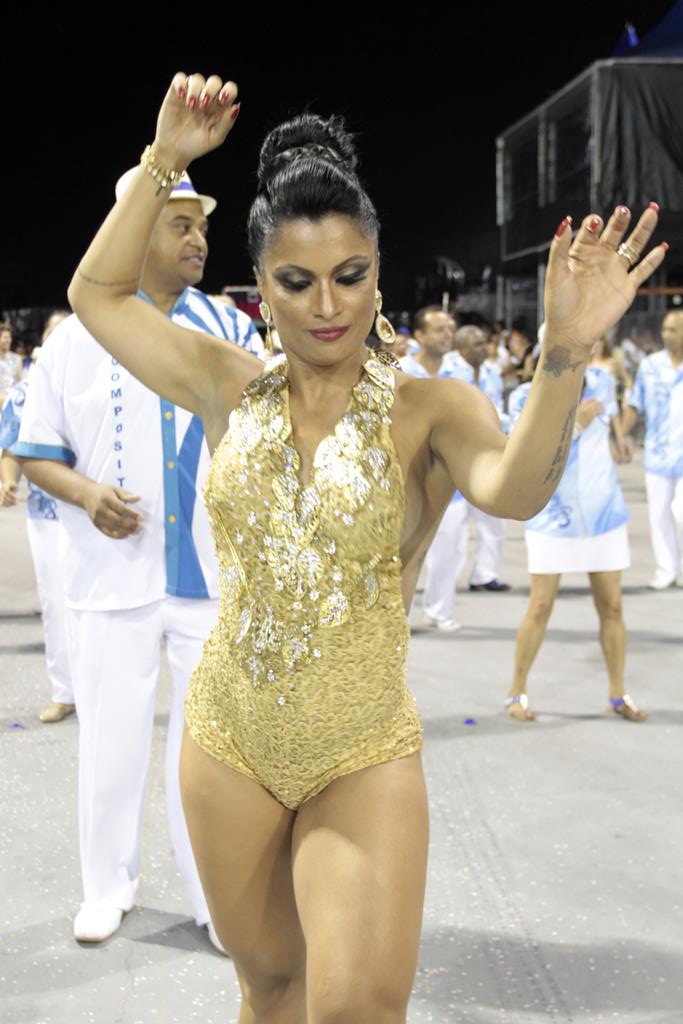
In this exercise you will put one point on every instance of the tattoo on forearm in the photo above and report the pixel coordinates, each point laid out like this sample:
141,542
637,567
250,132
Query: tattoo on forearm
557,360
557,465
107,284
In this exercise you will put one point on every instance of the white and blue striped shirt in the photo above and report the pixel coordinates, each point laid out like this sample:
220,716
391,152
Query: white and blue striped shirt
85,409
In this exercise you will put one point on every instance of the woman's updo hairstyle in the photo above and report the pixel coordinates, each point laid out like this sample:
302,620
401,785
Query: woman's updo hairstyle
307,168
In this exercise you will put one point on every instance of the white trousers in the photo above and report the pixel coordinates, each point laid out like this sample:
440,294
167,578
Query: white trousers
488,551
444,562
43,537
115,659
665,509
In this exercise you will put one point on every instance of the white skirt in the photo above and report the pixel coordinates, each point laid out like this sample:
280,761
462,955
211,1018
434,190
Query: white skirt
604,552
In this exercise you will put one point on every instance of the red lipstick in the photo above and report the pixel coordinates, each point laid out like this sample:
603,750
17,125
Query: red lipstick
329,333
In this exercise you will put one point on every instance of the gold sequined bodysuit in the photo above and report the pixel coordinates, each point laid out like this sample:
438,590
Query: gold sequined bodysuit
303,678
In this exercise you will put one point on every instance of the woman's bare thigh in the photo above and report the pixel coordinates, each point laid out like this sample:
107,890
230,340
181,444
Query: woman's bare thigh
242,842
360,862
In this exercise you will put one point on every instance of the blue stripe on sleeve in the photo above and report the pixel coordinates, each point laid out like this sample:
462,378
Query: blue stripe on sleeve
24,450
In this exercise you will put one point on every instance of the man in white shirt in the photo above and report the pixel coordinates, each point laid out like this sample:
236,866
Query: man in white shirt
434,330
132,464
657,395
468,362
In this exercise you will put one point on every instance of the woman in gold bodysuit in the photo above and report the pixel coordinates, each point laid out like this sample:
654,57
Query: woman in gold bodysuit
301,772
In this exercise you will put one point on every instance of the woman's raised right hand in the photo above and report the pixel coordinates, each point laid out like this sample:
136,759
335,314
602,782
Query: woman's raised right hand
195,117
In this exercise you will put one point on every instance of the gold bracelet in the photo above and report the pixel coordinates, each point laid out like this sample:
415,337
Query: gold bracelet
162,175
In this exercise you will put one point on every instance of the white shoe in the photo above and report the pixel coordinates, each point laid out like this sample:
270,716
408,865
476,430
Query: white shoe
55,712
95,924
215,941
661,582
445,625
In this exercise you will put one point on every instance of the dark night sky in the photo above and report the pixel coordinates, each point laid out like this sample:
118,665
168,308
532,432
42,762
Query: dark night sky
426,92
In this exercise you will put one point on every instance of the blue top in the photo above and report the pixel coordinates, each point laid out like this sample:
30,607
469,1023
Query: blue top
588,500
40,505
658,395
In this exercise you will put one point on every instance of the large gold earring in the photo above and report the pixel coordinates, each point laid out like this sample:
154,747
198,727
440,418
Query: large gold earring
383,327
264,310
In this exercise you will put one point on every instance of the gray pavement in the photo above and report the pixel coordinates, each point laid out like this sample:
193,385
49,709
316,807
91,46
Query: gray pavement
556,868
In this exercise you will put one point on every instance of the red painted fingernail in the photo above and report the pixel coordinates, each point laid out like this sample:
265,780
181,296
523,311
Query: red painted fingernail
664,246
653,206
594,224
204,102
563,224
624,211
182,92
223,98
192,102
235,111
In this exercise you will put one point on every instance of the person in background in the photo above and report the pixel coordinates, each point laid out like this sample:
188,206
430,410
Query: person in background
468,362
521,348
604,358
657,396
129,468
10,362
497,355
42,524
434,331
401,347
631,352
581,529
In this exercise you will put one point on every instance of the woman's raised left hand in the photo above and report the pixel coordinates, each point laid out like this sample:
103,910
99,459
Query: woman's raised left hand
589,285
195,117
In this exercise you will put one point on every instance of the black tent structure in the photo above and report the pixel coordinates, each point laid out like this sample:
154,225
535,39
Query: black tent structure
612,135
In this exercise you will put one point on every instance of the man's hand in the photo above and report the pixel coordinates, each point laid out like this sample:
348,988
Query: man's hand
108,509
624,449
8,495
587,411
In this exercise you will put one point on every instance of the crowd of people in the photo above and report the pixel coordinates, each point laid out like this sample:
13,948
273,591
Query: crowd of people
304,520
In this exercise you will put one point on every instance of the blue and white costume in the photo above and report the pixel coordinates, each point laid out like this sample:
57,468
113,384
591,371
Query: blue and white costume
124,596
583,526
42,524
658,396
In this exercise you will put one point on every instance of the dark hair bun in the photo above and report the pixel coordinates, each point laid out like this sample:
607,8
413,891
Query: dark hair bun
307,169
306,135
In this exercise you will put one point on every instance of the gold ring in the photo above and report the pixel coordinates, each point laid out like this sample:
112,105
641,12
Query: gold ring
630,254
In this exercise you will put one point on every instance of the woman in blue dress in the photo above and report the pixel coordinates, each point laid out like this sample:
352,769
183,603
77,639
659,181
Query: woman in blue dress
581,529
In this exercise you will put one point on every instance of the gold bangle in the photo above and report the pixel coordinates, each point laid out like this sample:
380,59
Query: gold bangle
163,176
